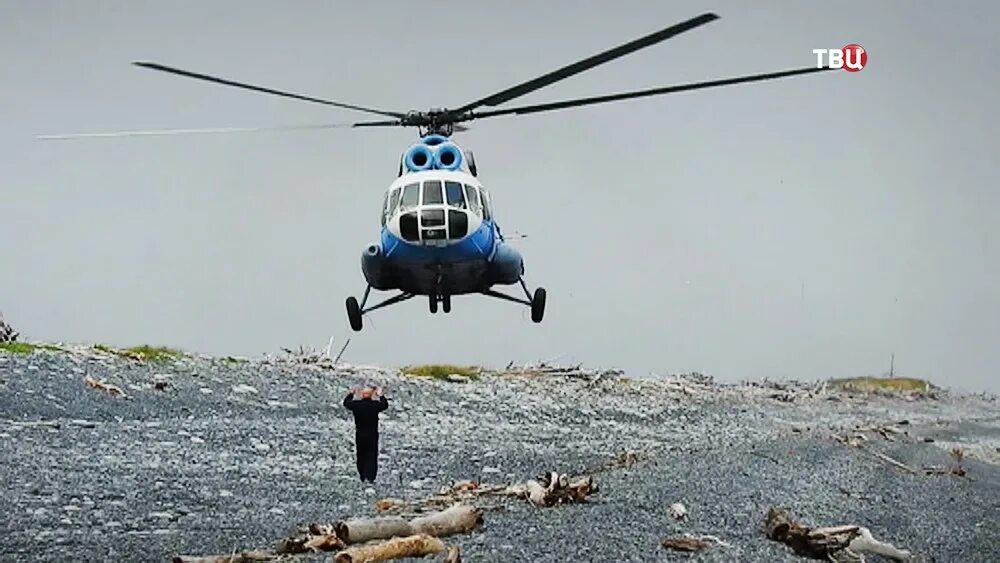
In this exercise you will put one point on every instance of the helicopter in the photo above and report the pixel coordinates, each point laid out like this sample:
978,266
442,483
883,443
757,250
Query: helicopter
439,236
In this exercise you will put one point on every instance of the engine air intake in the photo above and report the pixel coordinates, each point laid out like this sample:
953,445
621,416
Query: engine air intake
419,157
447,156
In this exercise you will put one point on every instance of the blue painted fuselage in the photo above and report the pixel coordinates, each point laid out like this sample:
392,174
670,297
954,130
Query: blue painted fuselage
471,265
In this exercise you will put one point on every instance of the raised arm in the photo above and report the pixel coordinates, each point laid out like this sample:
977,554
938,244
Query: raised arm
382,403
348,399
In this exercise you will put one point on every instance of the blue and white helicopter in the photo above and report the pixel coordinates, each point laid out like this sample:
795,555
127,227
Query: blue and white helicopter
439,235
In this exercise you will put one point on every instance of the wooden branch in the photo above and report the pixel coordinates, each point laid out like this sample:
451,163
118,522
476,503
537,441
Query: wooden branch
104,386
685,544
833,543
865,543
243,557
549,490
688,542
956,470
894,462
458,519
411,546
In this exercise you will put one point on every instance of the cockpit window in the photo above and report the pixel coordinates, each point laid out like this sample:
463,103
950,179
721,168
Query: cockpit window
453,192
487,206
385,206
473,198
432,193
411,197
393,202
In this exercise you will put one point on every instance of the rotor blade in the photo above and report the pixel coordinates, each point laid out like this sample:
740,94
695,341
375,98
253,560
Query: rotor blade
157,132
590,62
643,93
156,66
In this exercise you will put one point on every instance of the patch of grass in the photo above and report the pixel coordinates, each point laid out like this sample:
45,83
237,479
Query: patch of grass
882,384
441,371
27,347
232,360
142,353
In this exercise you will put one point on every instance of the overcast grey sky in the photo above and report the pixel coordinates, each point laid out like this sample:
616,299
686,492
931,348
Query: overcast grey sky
799,228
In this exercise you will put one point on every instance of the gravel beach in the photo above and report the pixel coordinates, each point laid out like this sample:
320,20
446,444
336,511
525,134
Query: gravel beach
206,456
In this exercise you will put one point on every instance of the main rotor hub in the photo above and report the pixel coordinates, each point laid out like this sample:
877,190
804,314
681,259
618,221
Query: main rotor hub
436,121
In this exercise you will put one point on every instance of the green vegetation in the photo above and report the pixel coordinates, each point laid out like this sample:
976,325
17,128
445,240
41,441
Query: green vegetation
27,348
142,353
882,384
441,371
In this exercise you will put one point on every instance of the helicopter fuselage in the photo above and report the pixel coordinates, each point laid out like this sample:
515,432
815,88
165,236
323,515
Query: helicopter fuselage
439,237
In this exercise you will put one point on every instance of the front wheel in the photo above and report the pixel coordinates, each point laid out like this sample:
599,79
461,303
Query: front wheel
354,313
538,305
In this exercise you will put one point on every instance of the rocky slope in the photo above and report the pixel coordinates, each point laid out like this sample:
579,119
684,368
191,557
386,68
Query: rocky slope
206,456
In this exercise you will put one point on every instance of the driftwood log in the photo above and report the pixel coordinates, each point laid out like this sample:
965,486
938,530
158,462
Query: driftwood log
837,543
458,519
419,545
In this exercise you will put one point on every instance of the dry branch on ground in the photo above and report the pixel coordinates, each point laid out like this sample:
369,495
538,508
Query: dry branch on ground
838,543
241,557
550,489
104,386
689,542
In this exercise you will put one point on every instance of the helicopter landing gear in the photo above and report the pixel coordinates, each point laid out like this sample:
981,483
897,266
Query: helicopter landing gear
538,305
355,310
354,313
445,301
438,296
536,301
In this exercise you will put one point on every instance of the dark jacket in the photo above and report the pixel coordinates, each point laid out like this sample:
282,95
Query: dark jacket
365,414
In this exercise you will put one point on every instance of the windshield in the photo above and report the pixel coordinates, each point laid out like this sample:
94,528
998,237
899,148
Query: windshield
432,193
411,197
472,196
454,194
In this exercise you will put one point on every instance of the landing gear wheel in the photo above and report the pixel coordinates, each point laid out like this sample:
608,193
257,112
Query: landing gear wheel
354,313
433,304
446,303
538,305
